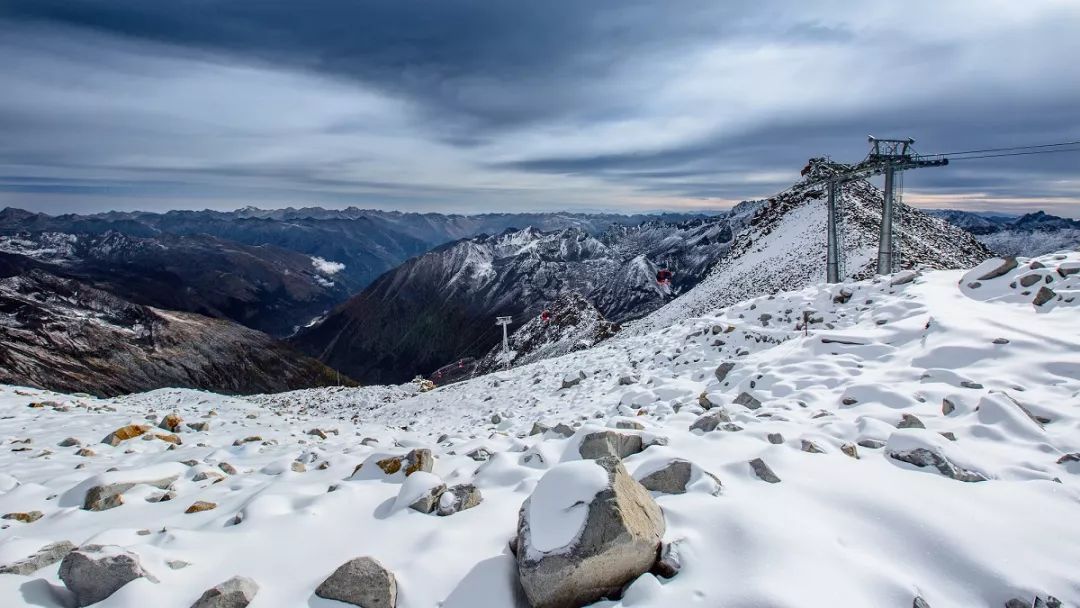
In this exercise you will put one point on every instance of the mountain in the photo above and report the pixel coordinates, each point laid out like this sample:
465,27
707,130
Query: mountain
921,440
785,248
61,334
441,307
263,287
1031,234
572,324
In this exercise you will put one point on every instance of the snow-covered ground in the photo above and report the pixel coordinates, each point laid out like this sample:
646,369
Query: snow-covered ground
993,378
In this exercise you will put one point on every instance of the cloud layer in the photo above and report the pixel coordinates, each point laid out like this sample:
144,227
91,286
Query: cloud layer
470,106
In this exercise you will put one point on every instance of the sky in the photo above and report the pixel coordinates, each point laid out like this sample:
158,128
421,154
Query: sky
473,106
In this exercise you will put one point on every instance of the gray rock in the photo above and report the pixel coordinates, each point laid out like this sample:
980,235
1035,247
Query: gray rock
45,556
563,429
811,447
922,457
1000,341
199,426
101,498
237,592
632,425
539,428
1006,266
430,499
618,542
723,370
94,572
572,379
1049,602
919,602
479,454
1044,295
970,384
850,450
670,562
708,422
673,478
458,498
748,400
362,581
609,443
1030,279
947,407
775,438
69,442
763,471
871,444
1017,603
908,421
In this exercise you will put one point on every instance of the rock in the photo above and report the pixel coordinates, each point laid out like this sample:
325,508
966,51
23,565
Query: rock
94,572
1028,280
496,419
630,425
775,438
250,439
674,478
849,401
627,379
199,426
947,407
850,450
669,563
1006,266
1049,602
563,429
45,556
177,564
86,452
748,400
1017,603
763,471
811,447
201,505
1071,457
708,422
842,297
1044,295
1001,341
173,439
903,278
951,436
723,370
237,592
572,379
27,517
458,498
124,433
617,541
923,457
362,581
970,384
539,428
415,460
871,444
369,441
321,434
919,602
908,421
421,492
298,467
227,468
69,442
479,454
609,443
171,423
204,475
102,498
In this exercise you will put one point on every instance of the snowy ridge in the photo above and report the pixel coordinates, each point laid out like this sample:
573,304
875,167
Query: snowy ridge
923,435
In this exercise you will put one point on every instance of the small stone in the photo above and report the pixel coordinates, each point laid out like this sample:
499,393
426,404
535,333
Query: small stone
459,498
949,435
970,384
539,428
723,370
237,592
104,497
710,421
69,442
177,564
173,439
919,602
748,400
1006,266
674,477
811,447
205,475
1071,457
871,444
124,433
669,563
850,450
361,582
1000,341
227,468
849,401
572,379
199,426
321,434
947,407
775,438
908,421
632,425
251,439
201,505
563,429
763,471
171,423
27,517
298,467
496,419
415,460
479,454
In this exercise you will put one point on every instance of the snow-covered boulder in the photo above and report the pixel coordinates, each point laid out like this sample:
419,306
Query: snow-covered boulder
237,592
94,572
45,556
609,443
458,498
362,581
420,492
926,449
678,476
586,531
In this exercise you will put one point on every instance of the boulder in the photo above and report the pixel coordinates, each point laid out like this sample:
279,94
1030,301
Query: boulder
237,592
458,498
763,471
775,438
748,400
563,429
415,460
609,443
1043,296
871,444
850,450
811,447
708,422
676,476
572,379
909,421
723,370
587,530
26,517
926,457
479,454
1002,267
171,423
539,428
947,407
69,442
362,581
104,497
94,572
124,433
201,505
420,492
45,556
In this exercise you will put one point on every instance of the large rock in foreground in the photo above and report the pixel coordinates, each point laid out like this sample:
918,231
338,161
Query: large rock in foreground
94,572
587,530
237,592
361,582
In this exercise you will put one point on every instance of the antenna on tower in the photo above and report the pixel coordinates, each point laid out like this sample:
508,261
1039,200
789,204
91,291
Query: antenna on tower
505,321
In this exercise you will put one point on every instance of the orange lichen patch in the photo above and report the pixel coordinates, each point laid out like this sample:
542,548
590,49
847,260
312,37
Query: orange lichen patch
390,465
27,518
171,422
124,433
173,439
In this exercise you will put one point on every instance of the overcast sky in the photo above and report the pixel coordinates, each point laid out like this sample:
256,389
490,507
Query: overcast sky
506,105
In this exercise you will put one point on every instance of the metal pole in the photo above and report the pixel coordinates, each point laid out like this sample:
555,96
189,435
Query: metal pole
885,245
832,262
504,321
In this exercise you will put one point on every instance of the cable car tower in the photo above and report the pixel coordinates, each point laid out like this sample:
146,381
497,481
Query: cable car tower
505,321
888,157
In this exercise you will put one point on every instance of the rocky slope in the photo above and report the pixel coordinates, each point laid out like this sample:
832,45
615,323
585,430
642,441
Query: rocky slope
1031,234
263,287
918,444
441,306
784,248
61,334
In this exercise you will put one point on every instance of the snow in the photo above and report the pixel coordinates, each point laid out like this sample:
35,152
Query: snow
835,531
326,267
560,503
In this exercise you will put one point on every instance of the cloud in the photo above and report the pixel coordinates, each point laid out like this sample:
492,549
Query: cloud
468,105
